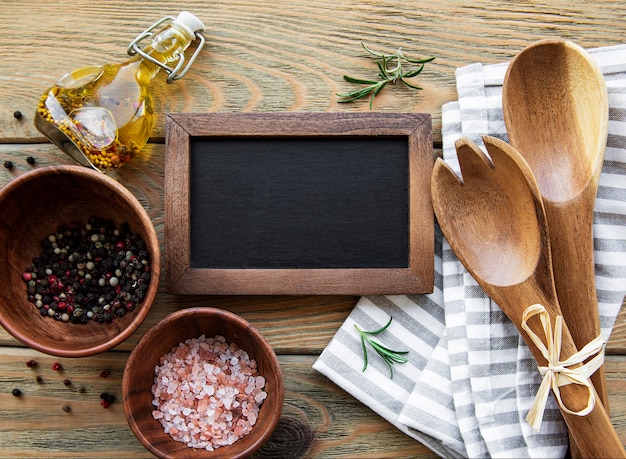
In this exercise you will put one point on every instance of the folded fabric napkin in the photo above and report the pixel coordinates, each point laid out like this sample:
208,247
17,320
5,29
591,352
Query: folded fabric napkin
470,379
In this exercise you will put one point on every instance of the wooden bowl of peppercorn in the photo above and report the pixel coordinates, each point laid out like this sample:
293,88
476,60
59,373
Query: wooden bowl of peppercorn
79,261
192,382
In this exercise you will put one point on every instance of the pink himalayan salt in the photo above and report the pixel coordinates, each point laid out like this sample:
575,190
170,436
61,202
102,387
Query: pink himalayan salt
207,393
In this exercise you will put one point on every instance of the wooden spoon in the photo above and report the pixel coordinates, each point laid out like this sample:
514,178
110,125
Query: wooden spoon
556,113
495,222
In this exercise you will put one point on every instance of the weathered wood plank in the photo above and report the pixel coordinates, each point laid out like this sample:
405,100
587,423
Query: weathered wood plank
284,55
319,419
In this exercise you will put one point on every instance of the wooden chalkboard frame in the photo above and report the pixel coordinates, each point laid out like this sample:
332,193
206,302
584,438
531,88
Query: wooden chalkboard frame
181,278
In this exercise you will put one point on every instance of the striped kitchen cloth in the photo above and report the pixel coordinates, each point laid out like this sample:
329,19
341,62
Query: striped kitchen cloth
470,379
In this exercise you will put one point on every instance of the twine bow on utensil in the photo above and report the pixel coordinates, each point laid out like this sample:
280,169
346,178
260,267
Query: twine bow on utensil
559,373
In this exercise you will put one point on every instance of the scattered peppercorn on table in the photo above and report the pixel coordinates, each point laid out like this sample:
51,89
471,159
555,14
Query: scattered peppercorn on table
260,57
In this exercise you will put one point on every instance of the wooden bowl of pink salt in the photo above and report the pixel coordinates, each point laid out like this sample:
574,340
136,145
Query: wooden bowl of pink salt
202,383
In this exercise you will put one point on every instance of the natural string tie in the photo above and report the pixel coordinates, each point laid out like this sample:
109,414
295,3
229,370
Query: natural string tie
559,373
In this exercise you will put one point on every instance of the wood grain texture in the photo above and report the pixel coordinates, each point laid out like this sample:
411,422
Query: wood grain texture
319,419
284,55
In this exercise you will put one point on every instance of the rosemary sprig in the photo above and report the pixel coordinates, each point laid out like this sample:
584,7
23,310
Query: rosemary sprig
388,355
390,70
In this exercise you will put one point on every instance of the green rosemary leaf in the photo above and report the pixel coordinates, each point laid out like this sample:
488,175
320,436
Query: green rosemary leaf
364,350
382,69
390,70
356,94
381,329
375,93
370,51
419,61
358,80
351,96
398,358
410,85
359,92
394,72
385,352
389,356
413,73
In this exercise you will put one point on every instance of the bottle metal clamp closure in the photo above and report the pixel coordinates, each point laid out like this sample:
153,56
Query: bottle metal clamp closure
175,73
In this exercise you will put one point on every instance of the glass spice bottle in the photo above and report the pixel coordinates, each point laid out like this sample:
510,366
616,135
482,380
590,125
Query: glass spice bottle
103,116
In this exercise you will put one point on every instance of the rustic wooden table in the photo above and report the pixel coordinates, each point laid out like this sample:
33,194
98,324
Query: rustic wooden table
284,55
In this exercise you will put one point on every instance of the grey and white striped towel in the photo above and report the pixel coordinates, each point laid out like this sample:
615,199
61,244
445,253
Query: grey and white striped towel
471,379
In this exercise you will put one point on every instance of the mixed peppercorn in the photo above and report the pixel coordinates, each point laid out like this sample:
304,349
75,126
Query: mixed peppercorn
106,398
92,272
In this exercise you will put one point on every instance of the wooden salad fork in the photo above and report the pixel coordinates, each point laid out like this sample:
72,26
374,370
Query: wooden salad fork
494,220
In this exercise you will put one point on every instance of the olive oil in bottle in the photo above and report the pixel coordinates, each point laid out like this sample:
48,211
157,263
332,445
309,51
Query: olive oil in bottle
103,116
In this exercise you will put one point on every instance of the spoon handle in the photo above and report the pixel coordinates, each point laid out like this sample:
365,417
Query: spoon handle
594,433
571,241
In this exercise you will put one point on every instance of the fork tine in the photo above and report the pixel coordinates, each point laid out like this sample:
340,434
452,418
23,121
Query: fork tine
443,180
472,159
443,169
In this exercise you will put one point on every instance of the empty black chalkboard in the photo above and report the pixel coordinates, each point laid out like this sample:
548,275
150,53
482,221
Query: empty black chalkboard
298,203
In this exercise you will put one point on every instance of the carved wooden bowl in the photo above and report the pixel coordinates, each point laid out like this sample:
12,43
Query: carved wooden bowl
139,376
34,205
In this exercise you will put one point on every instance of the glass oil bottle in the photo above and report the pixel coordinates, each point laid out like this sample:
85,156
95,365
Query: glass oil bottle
103,116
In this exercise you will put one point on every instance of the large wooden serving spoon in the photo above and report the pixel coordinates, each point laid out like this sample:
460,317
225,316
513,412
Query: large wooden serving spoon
495,222
556,113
